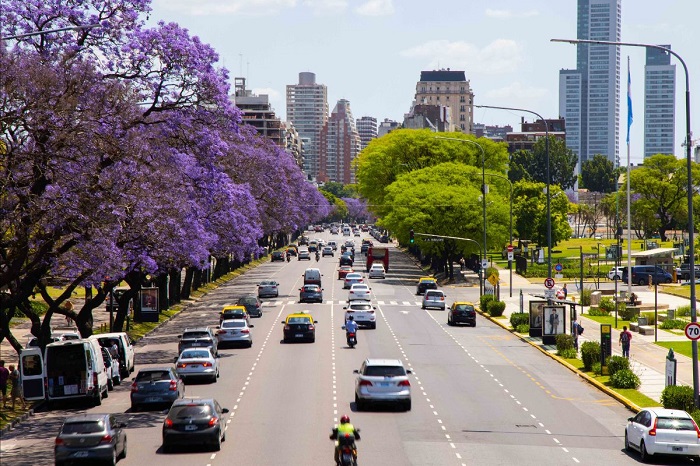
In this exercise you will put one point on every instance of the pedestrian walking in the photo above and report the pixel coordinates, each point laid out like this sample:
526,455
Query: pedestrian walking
566,292
576,330
16,391
462,264
4,376
625,340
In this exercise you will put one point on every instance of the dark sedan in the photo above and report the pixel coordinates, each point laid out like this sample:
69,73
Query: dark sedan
346,259
461,313
90,438
310,294
252,304
277,256
197,421
156,386
299,326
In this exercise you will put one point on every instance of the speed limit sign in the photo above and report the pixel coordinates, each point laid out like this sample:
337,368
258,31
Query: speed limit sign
692,331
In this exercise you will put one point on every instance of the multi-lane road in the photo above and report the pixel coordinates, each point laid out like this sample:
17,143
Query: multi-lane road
480,395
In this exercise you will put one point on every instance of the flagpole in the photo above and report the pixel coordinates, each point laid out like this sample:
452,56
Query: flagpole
629,217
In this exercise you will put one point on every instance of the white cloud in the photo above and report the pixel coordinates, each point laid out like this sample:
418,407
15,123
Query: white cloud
226,7
376,8
507,14
500,56
322,7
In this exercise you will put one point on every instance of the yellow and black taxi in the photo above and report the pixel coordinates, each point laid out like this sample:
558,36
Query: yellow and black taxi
426,283
462,312
234,312
299,326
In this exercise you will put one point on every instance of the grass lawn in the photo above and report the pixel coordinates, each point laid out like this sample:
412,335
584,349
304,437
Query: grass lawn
681,347
609,320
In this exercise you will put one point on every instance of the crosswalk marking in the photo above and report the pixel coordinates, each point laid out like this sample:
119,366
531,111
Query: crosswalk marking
277,303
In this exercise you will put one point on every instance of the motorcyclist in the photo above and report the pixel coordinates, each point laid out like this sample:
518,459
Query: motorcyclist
289,255
350,327
318,256
341,430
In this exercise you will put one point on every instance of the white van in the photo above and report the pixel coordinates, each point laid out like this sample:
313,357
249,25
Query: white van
72,369
125,349
347,231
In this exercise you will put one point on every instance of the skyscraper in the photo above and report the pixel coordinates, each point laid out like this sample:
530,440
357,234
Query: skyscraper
339,144
595,113
659,103
307,109
367,129
449,89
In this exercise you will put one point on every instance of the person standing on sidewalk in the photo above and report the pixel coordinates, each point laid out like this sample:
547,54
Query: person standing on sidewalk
16,391
4,376
625,340
575,332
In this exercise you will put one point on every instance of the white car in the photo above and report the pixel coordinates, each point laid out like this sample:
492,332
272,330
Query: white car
303,254
327,251
234,331
362,312
333,244
352,278
197,363
377,271
434,298
359,291
382,381
662,431
615,273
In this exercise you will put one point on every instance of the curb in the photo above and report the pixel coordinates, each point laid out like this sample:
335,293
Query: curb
627,403
18,420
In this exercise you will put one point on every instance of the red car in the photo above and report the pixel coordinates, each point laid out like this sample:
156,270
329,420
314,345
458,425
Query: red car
343,271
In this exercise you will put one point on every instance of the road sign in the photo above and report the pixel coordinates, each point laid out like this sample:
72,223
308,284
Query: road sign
558,267
434,240
484,263
510,255
549,283
692,331
549,293
510,248
493,279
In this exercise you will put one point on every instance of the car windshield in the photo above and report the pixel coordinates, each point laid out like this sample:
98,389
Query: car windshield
675,423
83,427
299,320
267,283
384,371
464,307
233,324
195,354
237,313
185,412
197,334
359,287
148,376
433,294
248,300
361,307
310,288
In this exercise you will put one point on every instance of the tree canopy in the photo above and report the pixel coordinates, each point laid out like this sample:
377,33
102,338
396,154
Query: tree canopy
532,165
599,174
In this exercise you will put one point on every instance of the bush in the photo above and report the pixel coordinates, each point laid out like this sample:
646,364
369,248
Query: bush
678,397
607,305
597,369
649,316
568,353
491,271
519,318
696,416
673,323
590,354
617,363
496,308
484,301
564,342
523,328
586,296
594,311
683,311
625,378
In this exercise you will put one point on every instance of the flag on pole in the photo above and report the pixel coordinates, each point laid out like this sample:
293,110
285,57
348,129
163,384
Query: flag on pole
629,100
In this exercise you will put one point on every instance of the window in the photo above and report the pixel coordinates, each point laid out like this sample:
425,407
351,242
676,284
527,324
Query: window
384,371
31,365
88,427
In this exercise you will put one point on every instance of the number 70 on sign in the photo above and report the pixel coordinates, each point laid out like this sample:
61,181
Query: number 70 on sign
692,331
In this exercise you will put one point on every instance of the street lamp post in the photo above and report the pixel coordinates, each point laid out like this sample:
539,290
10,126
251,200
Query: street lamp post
546,149
483,201
689,161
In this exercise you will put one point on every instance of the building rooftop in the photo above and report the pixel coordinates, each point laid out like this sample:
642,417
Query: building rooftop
442,75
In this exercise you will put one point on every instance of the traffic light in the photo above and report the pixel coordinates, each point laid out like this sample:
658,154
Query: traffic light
412,239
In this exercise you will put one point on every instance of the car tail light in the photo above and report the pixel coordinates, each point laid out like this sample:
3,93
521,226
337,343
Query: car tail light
181,365
286,327
168,424
245,331
213,421
206,364
696,428
311,327
173,385
652,432
442,298
58,441
94,379
221,332
106,439
404,383
365,383
134,387
371,312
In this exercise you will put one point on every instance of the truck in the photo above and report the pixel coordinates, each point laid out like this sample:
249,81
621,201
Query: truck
378,254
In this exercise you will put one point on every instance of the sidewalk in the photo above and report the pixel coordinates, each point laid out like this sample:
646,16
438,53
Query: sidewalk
647,359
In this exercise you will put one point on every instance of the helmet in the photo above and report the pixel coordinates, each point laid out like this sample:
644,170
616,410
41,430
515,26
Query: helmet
345,419
351,318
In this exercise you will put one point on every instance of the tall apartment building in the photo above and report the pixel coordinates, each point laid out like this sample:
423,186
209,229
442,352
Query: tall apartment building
307,110
258,112
387,126
659,103
495,132
450,89
339,144
594,113
367,129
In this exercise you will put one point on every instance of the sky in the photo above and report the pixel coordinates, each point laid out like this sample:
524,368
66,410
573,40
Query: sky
371,52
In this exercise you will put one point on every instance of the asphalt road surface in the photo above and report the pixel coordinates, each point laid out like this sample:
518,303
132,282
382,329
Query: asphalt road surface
480,395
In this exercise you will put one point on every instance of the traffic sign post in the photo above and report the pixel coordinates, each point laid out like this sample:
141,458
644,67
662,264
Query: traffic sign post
549,283
692,331
558,267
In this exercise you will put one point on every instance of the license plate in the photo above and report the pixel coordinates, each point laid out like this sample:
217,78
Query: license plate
152,399
677,448
299,335
193,366
190,427
80,454
385,384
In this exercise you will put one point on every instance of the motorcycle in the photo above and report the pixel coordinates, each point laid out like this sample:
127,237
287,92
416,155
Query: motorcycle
317,257
289,257
348,451
352,339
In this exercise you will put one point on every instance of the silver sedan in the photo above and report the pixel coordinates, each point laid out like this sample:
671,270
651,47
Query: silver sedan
235,331
268,289
197,363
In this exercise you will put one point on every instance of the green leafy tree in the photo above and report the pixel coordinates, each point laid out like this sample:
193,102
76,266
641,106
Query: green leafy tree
407,150
530,201
532,165
339,208
338,189
599,174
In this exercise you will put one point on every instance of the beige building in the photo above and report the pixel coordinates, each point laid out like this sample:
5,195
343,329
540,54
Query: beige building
449,89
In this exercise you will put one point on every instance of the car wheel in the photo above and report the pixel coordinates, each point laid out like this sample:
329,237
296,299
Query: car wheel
627,443
110,384
407,405
216,446
641,282
117,380
422,307
668,280
643,454
250,344
97,399
474,324
616,277
359,404
113,460
167,448
449,321
123,455
373,325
